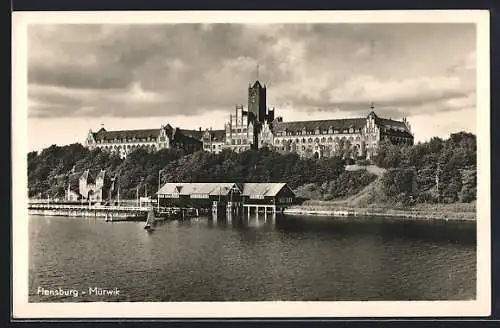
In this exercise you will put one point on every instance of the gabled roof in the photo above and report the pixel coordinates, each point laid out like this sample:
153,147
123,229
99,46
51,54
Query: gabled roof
186,189
397,133
263,189
388,123
217,135
101,174
87,177
102,134
338,124
195,134
393,128
257,84
126,134
73,182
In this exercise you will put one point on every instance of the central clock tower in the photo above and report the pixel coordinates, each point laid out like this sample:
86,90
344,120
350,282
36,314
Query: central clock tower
257,101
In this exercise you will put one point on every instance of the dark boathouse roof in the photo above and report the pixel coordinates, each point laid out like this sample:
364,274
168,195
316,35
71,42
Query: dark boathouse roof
270,189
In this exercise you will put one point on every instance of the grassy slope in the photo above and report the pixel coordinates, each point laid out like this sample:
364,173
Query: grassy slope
371,199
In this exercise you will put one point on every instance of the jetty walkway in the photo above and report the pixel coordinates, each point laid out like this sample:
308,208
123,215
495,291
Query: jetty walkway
114,213
110,212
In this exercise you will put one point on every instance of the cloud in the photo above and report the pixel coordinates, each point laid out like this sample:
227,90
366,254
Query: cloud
187,69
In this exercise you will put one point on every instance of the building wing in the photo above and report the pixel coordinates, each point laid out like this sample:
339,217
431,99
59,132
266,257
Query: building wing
394,128
195,134
145,134
323,125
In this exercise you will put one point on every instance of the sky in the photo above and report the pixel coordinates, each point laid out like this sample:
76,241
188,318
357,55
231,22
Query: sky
82,77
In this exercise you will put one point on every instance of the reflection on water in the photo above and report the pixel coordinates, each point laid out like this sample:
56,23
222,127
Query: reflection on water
254,259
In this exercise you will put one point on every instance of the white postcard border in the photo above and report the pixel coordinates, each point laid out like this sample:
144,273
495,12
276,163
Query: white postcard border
22,309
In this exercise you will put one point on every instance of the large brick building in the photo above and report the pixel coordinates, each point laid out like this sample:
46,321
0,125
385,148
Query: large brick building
258,127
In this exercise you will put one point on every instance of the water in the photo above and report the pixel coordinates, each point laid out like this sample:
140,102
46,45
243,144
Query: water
289,259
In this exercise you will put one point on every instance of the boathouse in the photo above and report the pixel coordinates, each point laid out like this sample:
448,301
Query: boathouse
268,196
198,195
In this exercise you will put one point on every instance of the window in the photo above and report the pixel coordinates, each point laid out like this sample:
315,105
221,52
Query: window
199,196
171,196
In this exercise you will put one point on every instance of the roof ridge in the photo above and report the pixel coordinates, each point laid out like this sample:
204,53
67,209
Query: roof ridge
326,120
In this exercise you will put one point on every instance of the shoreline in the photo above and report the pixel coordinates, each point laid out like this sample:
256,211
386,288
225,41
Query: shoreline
392,213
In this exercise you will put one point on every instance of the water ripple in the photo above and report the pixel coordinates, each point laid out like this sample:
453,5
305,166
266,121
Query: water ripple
251,260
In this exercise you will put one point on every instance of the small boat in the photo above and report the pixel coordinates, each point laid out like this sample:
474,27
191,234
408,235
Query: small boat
150,222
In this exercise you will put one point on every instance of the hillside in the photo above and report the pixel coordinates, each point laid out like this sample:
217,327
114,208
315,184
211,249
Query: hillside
437,171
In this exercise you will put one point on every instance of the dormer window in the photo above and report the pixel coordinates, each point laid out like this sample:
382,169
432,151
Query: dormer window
351,130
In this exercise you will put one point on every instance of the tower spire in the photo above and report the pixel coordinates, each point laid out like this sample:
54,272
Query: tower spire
257,72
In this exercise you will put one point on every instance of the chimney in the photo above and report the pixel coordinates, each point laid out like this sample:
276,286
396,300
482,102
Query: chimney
199,128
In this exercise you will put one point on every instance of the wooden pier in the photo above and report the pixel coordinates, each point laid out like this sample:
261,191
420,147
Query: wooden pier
262,208
113,213
245,209
110,213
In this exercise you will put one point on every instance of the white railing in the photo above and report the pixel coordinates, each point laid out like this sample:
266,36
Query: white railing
92,207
